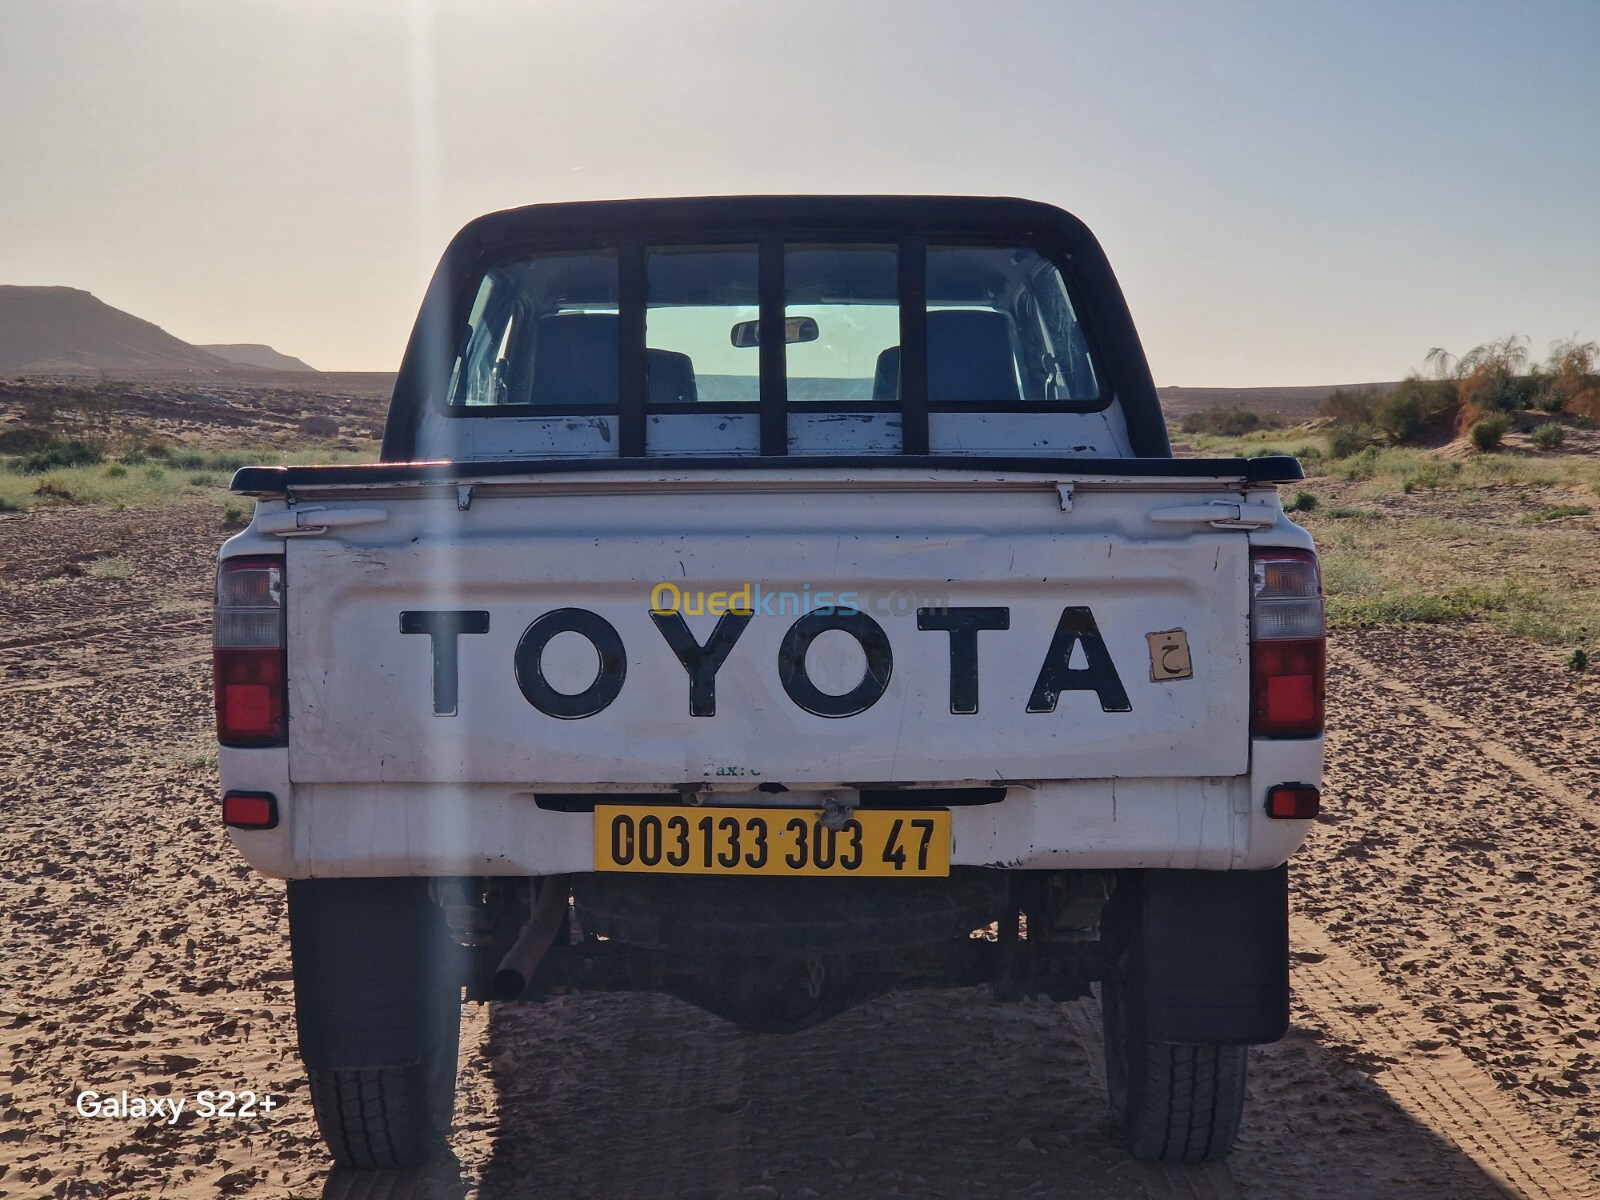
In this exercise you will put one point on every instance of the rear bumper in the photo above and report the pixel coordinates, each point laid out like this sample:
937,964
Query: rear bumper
365,829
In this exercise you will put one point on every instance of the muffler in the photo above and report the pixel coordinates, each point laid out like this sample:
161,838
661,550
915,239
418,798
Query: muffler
534,940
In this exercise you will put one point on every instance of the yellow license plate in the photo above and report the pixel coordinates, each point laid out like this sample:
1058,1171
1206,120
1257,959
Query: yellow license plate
769,841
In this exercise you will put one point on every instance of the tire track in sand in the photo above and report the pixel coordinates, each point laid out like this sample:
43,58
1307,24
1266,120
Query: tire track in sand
120,668
1430,1079
1526,770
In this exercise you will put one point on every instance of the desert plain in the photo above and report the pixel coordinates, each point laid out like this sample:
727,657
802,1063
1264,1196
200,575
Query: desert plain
1446,923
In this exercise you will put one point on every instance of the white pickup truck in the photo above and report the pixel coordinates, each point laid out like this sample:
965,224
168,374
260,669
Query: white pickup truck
777,602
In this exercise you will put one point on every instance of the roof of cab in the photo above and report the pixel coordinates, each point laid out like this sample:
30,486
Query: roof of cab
1028,219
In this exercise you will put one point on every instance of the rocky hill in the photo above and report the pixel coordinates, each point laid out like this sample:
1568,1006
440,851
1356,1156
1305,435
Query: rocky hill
265,357
62,329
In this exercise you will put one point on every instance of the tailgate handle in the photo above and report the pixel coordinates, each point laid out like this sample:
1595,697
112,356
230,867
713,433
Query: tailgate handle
1224,514
310,522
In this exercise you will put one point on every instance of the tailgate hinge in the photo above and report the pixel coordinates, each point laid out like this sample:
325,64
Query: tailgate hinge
1064,494
463,496
314,522
1220,514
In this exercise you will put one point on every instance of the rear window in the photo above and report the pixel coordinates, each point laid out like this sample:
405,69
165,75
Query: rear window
552,332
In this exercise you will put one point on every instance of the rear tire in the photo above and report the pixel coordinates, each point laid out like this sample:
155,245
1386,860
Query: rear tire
387,1117
378,1003
1169,1102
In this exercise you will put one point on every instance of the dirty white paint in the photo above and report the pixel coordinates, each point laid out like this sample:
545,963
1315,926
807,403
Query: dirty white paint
374,780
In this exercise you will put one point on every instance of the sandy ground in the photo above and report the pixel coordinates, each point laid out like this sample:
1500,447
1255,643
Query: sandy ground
1447,963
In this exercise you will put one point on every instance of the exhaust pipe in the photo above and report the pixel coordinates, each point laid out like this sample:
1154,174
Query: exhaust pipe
534,940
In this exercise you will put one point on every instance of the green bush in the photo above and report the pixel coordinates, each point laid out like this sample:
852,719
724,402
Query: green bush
1399,417
1549,437
1360,466
1432,473
1351,407
1302,502
113,470
231,460
1549,399
1232,421
1308,453
142,452
1410,407
20,439
61,452
1489,431
1349,440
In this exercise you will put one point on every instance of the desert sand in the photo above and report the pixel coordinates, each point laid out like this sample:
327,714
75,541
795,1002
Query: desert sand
1446,962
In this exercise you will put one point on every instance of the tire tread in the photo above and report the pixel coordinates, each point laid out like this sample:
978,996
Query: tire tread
1193,1096
375,1119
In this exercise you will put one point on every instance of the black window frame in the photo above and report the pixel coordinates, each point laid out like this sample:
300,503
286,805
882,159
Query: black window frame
1120,367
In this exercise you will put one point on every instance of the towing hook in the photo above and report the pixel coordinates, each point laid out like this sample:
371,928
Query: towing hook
835,812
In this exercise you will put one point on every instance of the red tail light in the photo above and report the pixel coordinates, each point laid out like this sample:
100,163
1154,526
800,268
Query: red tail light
1288,672
250,810
248,658
1293,802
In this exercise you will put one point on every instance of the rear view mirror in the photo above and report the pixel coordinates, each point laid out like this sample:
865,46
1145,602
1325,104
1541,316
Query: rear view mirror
795,329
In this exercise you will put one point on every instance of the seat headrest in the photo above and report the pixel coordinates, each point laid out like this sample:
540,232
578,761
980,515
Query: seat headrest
969,360
970,357
886,375
575,362
671,377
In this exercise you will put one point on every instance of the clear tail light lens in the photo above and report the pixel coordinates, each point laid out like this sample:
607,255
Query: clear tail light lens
1288,671
249,667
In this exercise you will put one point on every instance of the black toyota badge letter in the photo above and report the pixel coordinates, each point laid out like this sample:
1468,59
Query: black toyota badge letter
442,629
1097,675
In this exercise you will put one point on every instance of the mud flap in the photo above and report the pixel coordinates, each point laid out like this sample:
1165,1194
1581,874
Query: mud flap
372,971
1215,955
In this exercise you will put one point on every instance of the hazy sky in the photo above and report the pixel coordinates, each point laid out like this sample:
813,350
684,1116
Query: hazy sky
1289,192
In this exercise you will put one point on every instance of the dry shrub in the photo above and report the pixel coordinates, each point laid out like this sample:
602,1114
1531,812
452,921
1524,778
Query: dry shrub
319,426
1489,376
1487,379
54,490
1468,415
1574,381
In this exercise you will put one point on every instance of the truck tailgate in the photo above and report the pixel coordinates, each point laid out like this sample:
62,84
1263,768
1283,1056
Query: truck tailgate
422,646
